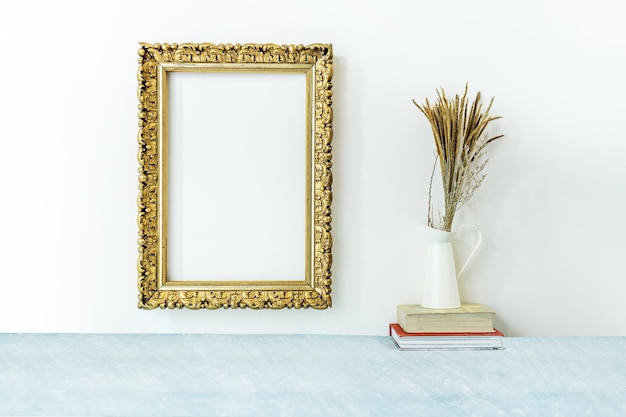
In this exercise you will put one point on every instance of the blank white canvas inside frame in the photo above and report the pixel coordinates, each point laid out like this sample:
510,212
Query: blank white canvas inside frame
236,176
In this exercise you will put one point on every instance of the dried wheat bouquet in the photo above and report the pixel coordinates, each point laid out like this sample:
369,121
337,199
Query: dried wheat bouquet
459,132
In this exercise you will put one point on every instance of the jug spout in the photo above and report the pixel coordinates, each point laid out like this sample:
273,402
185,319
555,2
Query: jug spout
436,235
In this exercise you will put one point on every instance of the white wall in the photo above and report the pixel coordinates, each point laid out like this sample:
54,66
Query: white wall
550,209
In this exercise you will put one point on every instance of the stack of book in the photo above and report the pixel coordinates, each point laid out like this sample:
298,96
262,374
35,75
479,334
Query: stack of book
467,327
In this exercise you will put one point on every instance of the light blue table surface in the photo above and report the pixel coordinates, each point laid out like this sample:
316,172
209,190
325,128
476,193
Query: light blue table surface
305,375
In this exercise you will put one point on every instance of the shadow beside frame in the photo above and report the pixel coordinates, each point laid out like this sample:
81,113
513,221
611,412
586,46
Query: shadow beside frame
311,288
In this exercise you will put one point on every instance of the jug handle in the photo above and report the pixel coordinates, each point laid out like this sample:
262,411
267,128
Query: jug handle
476,246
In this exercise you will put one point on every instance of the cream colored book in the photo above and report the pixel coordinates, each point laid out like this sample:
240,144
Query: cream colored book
468,318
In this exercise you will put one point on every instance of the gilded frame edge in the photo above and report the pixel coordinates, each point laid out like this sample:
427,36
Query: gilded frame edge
155,292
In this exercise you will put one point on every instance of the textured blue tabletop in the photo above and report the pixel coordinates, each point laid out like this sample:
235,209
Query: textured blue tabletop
306,375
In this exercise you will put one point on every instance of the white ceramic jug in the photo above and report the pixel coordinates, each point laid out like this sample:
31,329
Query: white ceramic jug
441,288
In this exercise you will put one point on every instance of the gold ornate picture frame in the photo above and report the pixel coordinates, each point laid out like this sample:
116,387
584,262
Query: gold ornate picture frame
312,286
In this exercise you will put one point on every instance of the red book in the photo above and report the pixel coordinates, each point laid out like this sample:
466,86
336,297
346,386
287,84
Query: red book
402,333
